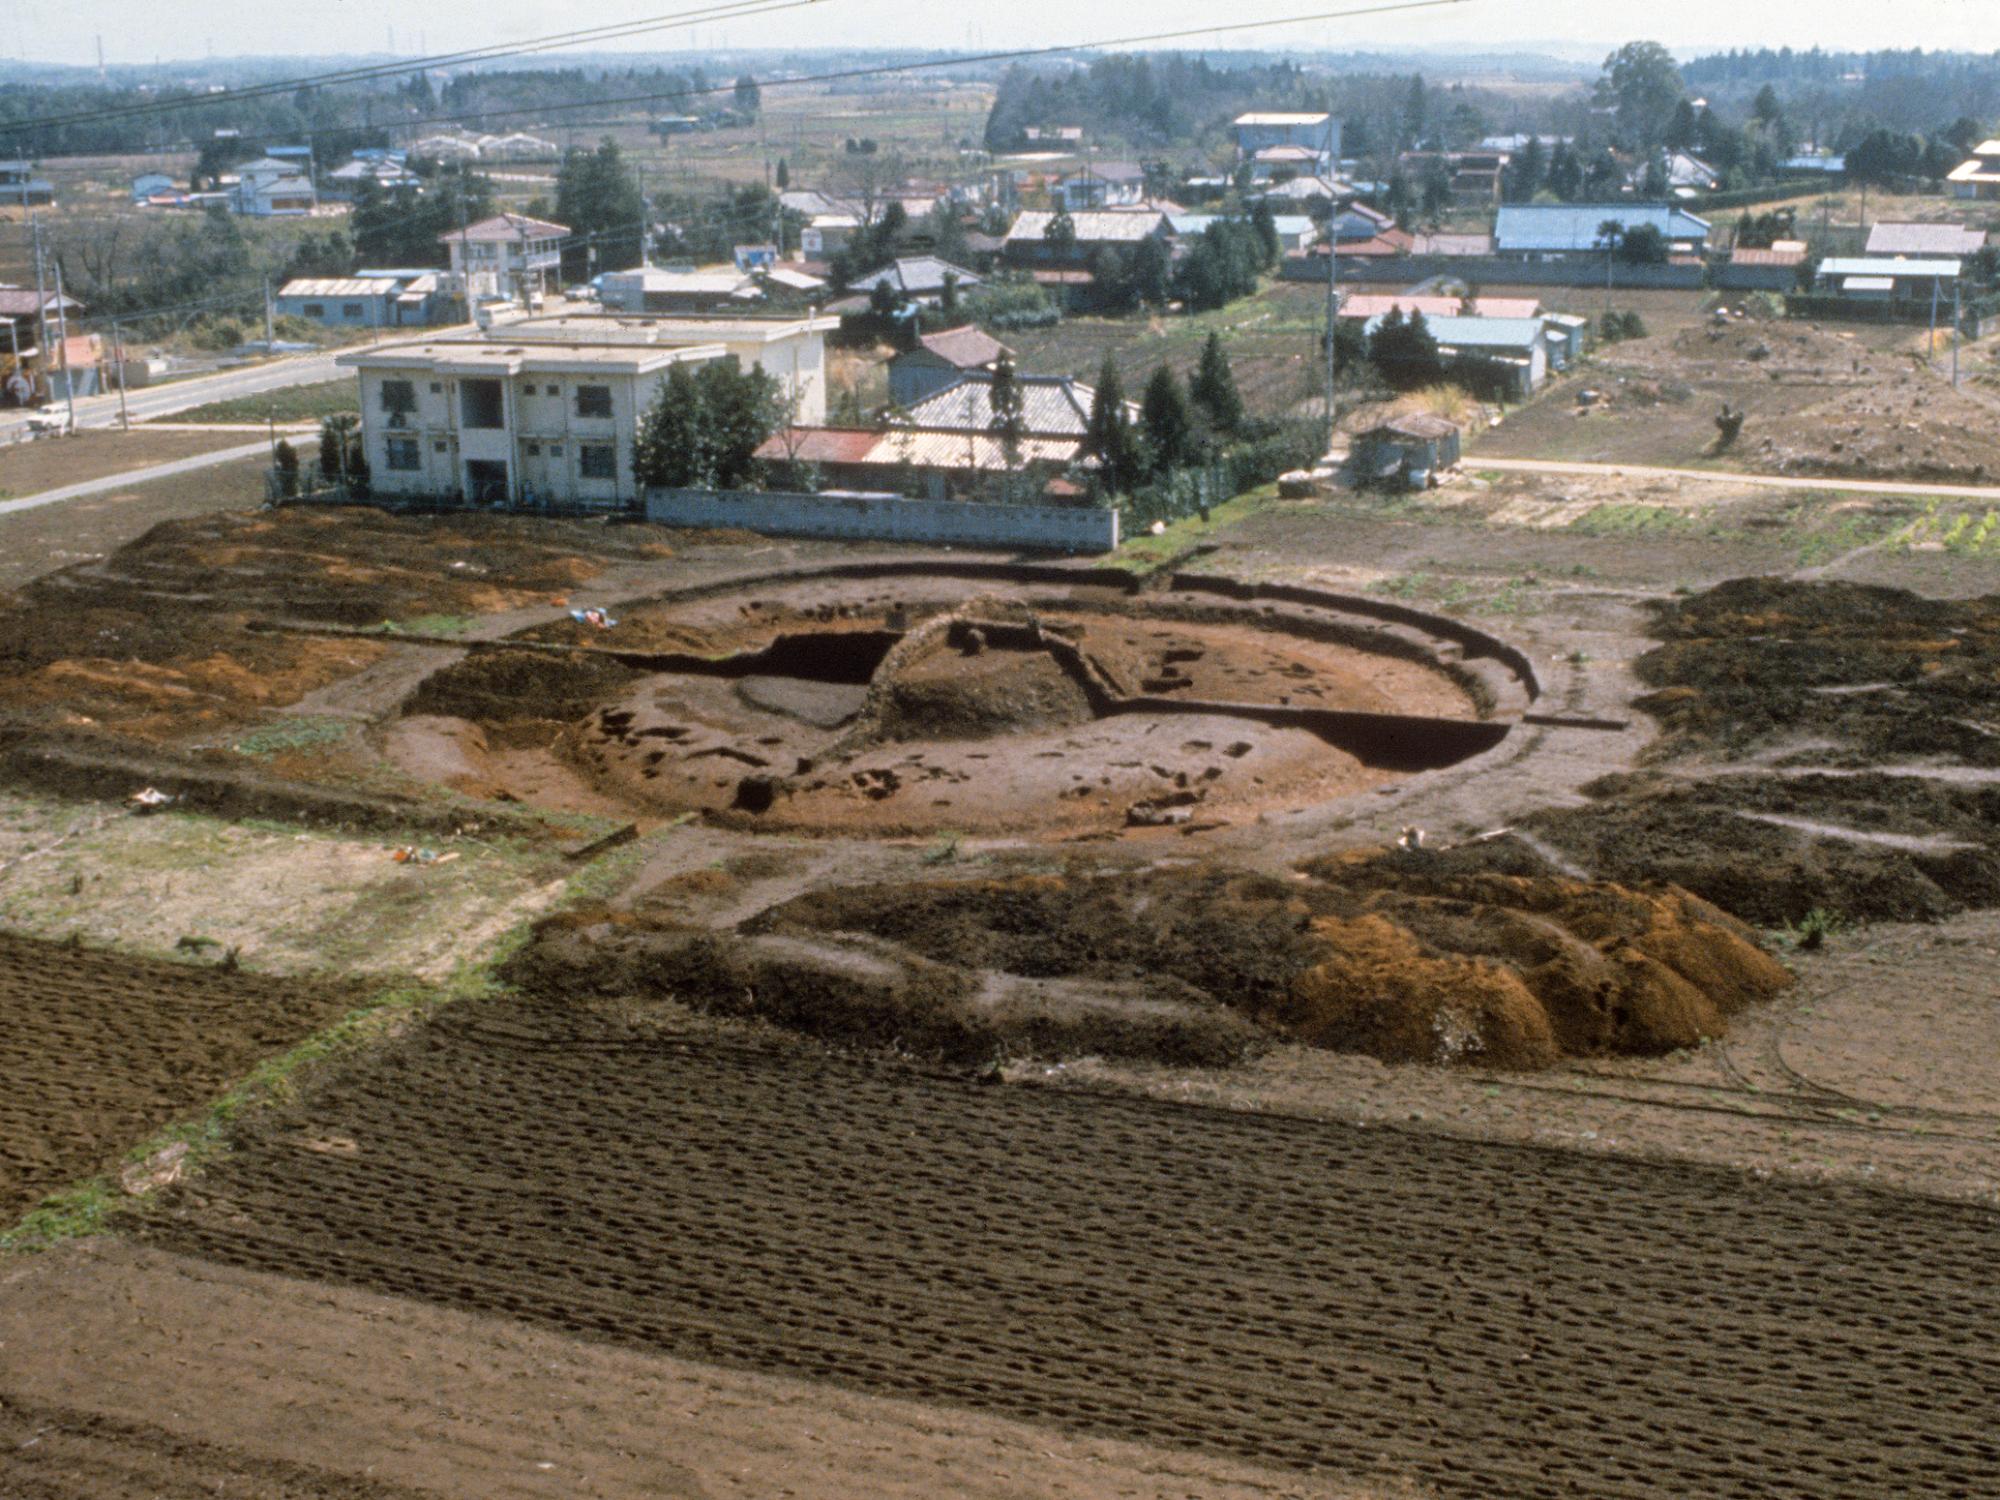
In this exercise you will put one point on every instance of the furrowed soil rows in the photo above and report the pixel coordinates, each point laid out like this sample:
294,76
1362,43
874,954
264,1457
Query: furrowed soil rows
1496,1321
98,1050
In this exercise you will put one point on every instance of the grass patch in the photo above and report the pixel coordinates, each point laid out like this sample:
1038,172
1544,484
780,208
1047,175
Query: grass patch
1514,596
1636,520
297,403
292,735
1144,552
447,625
1970,532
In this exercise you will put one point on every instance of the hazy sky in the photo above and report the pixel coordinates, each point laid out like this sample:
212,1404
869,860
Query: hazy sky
142,30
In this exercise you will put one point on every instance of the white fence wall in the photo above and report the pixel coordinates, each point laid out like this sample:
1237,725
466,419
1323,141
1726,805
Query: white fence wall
888,518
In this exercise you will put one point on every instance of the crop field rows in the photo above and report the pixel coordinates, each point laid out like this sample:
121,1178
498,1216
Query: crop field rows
99,1050
1491,1320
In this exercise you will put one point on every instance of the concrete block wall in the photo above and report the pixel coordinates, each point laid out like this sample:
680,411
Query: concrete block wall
888,518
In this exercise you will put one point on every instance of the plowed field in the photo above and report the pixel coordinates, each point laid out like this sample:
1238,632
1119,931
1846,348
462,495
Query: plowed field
1495,1321
97,1051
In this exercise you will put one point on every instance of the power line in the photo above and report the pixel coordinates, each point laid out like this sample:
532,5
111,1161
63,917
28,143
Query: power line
878,70
672,20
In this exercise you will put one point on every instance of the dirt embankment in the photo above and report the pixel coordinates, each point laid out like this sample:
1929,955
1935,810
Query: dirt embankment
1388,955
1826,745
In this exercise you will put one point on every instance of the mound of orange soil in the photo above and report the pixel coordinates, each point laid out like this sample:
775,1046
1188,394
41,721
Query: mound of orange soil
1383,954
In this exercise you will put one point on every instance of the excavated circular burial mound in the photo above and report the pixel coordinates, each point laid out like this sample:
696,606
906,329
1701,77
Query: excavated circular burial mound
885,702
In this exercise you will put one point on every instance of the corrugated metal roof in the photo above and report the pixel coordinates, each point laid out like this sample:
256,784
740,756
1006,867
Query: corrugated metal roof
966,450
918,275
1743,255
1482,333
1375,305
820,445
508,227
1925,239
1279,117
1577,226
1901,270
336,286
1868,284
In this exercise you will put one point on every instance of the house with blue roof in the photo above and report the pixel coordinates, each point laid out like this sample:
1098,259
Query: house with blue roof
1555,231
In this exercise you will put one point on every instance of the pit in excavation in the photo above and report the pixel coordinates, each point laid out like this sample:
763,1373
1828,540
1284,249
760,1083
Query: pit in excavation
919,703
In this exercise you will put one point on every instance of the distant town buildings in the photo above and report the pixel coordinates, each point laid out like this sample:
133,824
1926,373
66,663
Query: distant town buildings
506,255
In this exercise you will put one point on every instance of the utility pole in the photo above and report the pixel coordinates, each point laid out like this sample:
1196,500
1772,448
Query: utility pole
62,330
1957,331
1332,284
270,320
118,356
41,296
1930,344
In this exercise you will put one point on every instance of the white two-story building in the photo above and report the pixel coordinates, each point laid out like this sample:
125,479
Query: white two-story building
548,410
507,255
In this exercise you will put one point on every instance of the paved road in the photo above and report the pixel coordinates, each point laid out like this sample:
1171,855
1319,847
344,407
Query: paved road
1712,476
184,395
136,476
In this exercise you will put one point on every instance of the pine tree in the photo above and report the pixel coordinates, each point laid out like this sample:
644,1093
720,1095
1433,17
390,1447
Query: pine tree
749,97
784,176
1109,438
1214,388
1009,423
1167,422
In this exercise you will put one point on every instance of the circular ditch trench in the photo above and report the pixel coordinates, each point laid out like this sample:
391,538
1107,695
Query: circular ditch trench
890,700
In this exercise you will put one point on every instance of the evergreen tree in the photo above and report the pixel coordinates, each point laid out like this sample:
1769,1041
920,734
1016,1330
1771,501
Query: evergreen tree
1109,438
1060,236
1415,111
1405,353
784,175
1168,423
1526,173
704,427
1214,388
598,198
671,451
1265,223
1009,423
749,97
1152,271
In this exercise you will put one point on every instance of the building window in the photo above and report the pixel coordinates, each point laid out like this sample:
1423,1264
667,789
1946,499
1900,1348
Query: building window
597,461
399,397
403,454
534,450
315,309
352,310
527,390
555,450
480,404
593,401
438,446
437,387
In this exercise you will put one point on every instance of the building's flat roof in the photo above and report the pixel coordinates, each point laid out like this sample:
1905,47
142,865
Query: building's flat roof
1577,226
1482,333
451,356
1280,117
1895,269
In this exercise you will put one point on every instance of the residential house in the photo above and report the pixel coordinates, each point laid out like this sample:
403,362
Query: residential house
672,125
268,188
1296,232
1559,231
1104,184
1567,335
941,360
1818,163
1978,176
372,299
1307,192
1068,135
1875,279
1946,240
1027,242
1283,163
917,278
1318,133
1512,352
650,289
506,255
945,444
547,411
345,181
1410,450
1474,176
1754,269
19,185
826,235
1686,175
22,311
1514,145
150,185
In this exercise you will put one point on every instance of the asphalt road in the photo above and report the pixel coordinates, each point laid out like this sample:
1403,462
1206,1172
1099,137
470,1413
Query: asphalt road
185,395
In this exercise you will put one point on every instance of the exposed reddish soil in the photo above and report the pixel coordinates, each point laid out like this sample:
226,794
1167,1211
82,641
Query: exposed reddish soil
98,1050
1393,956
1493,1321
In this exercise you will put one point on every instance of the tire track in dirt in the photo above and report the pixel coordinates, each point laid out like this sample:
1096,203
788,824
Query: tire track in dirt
1495,1320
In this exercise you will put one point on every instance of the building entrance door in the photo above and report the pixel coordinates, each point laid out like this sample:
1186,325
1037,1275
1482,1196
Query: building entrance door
486,481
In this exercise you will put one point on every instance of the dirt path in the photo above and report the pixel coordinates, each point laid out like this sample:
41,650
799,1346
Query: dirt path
1491,1320
283,1390
1828,484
